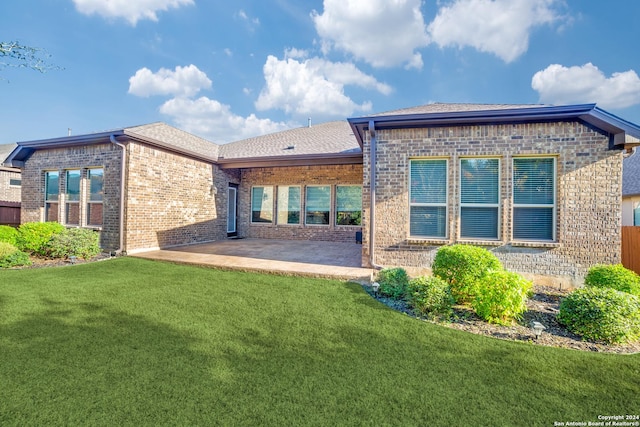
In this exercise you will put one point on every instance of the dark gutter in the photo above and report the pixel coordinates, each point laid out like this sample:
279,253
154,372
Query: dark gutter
291,160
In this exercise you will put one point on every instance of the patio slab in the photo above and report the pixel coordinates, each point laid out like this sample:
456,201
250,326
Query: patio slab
289,257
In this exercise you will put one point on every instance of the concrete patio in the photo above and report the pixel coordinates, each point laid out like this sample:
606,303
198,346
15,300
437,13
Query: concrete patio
297,258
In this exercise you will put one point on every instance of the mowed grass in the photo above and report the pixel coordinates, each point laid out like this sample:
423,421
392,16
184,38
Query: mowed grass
136,342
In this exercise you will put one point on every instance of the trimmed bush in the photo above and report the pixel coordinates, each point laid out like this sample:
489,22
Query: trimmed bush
615,277
430,296
601,314
79,242
461,266
10,256
8,234
393,282
33,237
501,297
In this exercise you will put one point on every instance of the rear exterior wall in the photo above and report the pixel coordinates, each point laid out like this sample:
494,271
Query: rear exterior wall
9,192
588,196
330,175
173,200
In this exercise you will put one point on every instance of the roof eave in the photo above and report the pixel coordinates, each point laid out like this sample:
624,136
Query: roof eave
588,113
291,160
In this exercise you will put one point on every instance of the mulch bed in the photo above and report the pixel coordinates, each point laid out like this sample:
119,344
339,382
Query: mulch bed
541,307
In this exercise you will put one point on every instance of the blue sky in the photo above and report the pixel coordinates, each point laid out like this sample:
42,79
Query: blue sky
230,70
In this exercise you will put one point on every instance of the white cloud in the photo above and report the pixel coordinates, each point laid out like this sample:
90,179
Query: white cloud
381,32
184,81
558,84
501,27
215,121
314,87
131,10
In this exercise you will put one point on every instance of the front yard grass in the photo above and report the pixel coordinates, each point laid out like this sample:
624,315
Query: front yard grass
136,342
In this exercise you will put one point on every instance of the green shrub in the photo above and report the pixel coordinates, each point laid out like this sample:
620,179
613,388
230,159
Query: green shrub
33,237
461,266
430,296
601,314
393,282
79,242
501,297
10,256
615,277
8,234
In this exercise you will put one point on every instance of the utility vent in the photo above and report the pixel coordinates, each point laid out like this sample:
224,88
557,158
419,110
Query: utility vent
290,147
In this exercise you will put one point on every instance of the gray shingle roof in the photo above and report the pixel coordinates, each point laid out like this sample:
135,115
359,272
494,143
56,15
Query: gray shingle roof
179,139
5,150
631,174
325,138
439,107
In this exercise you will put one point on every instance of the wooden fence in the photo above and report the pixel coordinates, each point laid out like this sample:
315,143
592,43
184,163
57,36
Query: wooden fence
10,213
631,248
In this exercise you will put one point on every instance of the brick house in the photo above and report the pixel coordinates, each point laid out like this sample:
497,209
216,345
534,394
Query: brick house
540,186
10,189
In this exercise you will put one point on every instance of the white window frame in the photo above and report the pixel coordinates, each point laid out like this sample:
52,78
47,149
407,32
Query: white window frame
90,203
272,205
47,200
554,206
481,205
445,205
69,203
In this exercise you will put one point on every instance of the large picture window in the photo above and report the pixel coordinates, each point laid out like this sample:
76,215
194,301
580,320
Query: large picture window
318,205
534,198
51,195
479,198
288,205
262,205
348,205
72,197
94,202
428,198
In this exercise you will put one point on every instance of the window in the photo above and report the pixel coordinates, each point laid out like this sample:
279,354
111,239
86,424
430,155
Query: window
72,197
534,198
262,205
51,188
479,198
15,182
428,198
348,204
288,205
94,201
318,205
636,215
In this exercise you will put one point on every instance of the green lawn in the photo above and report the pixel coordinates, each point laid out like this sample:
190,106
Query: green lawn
135,342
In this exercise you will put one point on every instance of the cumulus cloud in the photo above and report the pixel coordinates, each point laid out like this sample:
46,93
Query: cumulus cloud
381,32
314,87
183,81
500,27
215,121
558,84
132,11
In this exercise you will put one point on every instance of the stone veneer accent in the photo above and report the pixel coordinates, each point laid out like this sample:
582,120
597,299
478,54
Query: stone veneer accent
589,182
8,192
298,175
106,156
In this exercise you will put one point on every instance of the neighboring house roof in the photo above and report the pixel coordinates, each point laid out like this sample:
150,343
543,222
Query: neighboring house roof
331,142
631,175
5,151
157,134
476,114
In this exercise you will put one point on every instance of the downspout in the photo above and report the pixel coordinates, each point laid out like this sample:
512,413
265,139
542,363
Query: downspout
112,138
372,192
